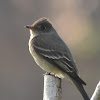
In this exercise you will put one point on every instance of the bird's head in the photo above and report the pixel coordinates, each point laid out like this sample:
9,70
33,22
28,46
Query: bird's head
41,26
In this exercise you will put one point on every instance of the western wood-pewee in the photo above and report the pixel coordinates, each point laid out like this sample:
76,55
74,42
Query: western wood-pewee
52,54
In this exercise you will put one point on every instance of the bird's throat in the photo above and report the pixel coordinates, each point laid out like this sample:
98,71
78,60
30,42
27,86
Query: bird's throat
32,35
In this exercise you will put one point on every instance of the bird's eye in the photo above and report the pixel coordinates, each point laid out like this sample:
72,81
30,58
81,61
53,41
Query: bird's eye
43,27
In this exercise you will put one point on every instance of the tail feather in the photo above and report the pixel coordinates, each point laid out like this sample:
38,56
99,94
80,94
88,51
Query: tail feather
80,87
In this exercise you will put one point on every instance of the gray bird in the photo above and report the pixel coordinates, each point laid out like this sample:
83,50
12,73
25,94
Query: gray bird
52,54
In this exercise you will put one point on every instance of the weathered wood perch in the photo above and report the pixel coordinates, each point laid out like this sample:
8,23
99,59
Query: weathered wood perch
96,94
52,88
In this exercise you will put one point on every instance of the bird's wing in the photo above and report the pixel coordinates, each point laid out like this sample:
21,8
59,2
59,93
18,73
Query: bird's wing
60,60
58,55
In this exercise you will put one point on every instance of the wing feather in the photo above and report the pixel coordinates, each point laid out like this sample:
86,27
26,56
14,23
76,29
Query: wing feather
57,57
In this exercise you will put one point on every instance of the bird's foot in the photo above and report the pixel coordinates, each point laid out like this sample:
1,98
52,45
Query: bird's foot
47,73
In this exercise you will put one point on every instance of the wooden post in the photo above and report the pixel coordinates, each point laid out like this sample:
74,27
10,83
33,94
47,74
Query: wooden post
52,88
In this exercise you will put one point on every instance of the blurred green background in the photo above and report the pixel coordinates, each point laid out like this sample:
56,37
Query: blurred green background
76,21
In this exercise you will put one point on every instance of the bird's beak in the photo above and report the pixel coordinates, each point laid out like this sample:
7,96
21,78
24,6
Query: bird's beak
29,27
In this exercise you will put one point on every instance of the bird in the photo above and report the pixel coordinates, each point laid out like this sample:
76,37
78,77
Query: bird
52,54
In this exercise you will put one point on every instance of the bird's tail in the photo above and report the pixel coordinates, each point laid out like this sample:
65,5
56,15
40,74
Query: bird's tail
80,87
